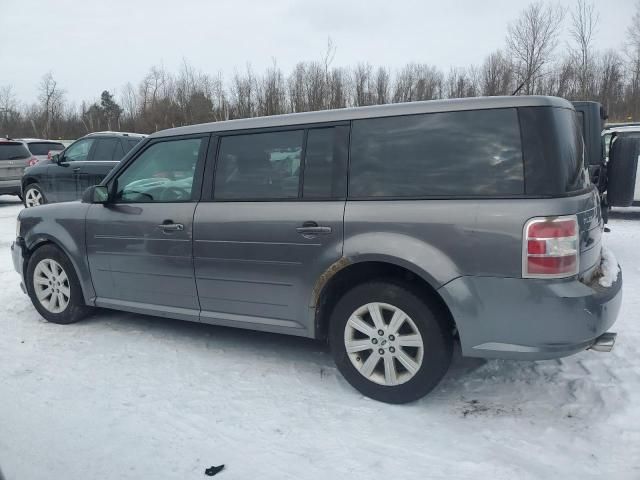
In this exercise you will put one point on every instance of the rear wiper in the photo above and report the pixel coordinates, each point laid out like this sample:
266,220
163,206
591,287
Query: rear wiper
16,157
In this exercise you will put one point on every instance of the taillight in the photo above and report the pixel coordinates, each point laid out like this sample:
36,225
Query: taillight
49,155
32,161
550,247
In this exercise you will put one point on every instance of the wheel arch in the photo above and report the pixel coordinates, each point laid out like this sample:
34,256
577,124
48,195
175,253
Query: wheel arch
345,274
45,239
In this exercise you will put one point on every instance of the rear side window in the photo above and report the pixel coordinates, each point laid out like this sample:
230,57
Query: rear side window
259,166
130,143
43,148
470,153
105,149
13,151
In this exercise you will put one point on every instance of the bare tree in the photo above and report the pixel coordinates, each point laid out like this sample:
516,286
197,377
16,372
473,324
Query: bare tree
51,99
531,41
584,21
496,75
633,54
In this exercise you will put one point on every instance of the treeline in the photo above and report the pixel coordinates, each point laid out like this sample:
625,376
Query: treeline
533,61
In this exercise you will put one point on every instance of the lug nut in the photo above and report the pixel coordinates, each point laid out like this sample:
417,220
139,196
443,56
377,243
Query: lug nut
374,340
392,350
392,338
381,351
380,332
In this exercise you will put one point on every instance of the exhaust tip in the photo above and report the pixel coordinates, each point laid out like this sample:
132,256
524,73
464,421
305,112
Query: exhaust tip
604,343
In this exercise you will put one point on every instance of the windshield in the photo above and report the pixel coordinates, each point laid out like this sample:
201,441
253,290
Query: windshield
13,151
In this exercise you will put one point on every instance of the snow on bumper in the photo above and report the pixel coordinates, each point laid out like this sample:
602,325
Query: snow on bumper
530,318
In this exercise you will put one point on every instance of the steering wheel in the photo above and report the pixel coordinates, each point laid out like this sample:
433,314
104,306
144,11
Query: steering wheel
172,193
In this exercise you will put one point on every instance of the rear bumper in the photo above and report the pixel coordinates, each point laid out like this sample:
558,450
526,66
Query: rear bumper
529,318
10,187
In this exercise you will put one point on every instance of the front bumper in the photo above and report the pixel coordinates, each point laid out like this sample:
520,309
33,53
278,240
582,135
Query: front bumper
530,318
17,254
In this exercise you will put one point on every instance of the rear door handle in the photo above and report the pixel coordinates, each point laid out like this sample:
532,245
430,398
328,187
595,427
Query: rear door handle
312,228
171,227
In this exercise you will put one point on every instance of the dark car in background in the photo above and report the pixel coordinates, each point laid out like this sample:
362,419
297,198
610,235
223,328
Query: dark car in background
14,157
83,163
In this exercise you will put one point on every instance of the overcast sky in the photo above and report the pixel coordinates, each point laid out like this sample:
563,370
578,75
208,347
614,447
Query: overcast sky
91,46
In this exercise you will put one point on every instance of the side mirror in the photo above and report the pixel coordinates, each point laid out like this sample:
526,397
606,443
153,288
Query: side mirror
55,158
96,194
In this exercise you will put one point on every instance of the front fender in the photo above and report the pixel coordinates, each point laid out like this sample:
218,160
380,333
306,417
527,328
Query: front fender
62,224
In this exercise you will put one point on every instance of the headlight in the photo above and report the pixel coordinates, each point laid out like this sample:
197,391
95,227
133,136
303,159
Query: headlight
17,228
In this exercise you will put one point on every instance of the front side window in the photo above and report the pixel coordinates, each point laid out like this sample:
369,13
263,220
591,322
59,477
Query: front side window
79,150
164,172
468,153
259,166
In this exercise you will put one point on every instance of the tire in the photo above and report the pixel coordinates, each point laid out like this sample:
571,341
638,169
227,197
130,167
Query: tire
34,192
50,264
390,380
622,169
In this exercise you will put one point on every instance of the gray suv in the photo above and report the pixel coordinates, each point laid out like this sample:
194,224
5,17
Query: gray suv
390,231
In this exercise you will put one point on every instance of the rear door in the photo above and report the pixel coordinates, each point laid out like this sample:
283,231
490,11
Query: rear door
272,225
13,160
104,156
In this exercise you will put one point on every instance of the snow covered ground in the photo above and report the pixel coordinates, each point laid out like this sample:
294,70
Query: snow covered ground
123,396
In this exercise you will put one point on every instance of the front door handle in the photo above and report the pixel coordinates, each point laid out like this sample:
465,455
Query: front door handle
312,228
171,227
76,169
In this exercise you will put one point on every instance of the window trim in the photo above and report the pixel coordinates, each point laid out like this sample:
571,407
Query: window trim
208,193
111,180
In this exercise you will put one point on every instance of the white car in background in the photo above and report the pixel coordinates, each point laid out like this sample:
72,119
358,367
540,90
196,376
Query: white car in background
41,149
607,135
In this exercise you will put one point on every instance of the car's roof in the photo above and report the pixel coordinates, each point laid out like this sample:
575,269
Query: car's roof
346,114
38,140
116,134
622,128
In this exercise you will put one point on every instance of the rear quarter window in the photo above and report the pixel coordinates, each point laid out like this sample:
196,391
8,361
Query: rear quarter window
553,151
469,153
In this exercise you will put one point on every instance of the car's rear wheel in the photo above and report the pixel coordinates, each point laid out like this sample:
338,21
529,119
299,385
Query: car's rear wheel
53,286
389,343
33,196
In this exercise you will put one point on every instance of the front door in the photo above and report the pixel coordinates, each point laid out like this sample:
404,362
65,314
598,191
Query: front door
104,156
273,227
140,244
62,185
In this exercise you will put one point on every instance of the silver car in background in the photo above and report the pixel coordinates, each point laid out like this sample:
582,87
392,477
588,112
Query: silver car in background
14,158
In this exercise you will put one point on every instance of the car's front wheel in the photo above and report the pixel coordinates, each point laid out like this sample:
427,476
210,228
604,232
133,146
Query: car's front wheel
33,196
53,286
390,343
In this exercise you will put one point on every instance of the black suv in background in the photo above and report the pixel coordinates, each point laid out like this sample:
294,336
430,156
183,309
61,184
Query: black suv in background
82,164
